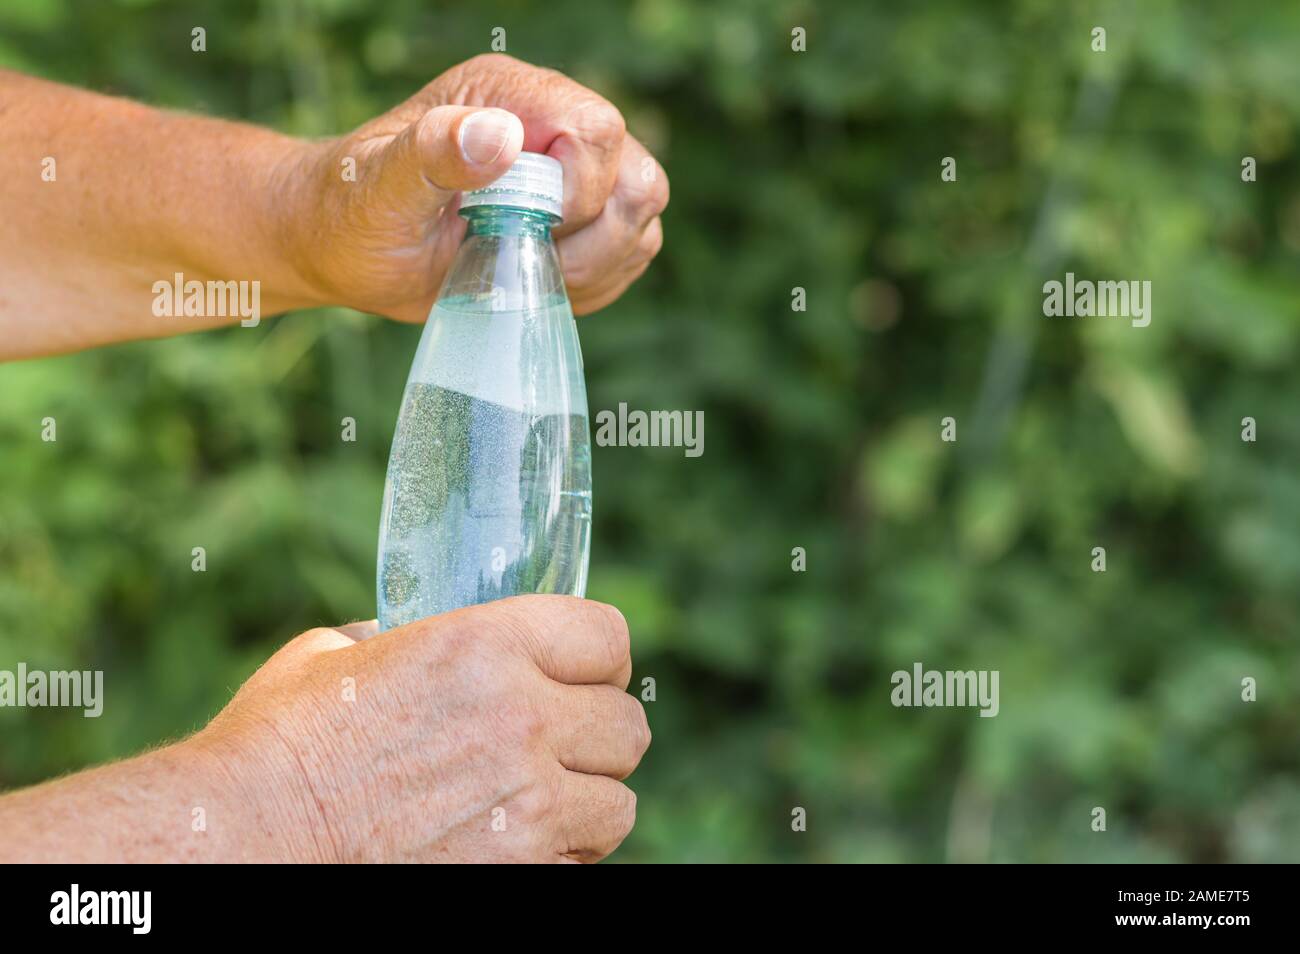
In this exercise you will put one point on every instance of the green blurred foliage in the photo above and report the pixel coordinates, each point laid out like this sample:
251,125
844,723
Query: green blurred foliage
818,170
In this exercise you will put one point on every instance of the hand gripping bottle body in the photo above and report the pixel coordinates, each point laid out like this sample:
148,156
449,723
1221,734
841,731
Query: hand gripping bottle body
489,480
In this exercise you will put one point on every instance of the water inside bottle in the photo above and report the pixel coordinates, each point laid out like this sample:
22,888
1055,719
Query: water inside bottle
489,477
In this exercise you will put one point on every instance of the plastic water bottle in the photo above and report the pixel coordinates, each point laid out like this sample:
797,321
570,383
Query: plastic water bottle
489,479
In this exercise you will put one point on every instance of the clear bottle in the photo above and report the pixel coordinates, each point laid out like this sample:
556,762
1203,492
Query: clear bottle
489,479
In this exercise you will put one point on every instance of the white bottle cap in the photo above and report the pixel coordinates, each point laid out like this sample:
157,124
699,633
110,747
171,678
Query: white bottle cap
534,181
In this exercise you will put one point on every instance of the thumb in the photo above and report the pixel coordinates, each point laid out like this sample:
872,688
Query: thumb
447,150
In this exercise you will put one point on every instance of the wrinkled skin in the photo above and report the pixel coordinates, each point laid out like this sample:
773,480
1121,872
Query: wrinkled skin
500,732
384,242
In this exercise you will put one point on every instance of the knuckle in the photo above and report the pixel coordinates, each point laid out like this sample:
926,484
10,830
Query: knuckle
634,735
651,241
662,191
585,208
581,273
640,728
510,703
618,640
622,811
600,122
537,798
523,723
657,196
513,629
646,189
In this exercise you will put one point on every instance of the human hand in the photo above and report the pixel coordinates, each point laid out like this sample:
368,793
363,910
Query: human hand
499,732
383,242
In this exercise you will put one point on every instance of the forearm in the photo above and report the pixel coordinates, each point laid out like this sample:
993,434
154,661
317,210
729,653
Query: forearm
133,196
182,803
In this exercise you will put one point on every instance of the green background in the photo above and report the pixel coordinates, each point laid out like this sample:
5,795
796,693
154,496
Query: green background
820,170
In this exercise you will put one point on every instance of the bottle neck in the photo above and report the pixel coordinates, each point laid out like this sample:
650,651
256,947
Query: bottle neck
504,220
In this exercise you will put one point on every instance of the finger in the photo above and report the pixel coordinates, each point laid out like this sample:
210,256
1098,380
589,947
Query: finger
641,190
594,299
587,300
588,149
601,730
447,150
595,814
562,118
640,194
571,640
590,256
